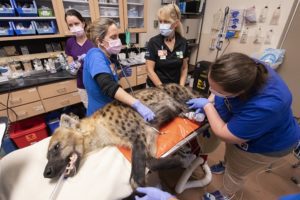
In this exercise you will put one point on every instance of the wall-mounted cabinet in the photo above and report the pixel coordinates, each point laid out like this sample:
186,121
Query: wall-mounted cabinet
85,7
130,15
135,14
34,19
112,9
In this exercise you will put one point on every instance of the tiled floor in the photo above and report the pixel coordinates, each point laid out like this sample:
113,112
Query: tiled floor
260,185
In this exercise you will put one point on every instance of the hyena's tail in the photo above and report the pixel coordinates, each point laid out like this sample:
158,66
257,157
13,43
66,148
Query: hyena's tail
138,165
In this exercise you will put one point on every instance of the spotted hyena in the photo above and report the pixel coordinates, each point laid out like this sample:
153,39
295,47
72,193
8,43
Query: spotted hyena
118,124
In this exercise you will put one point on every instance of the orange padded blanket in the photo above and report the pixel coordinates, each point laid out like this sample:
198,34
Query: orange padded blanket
173,132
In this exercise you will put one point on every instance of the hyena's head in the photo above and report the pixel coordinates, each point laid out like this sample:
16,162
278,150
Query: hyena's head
66,141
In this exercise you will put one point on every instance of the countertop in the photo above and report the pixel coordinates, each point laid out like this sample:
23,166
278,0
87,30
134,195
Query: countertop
39,79
34,80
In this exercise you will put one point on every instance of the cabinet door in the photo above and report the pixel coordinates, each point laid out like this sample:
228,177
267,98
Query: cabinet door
56,89
24,111
61,101
112,9
23,97
85,7
135,14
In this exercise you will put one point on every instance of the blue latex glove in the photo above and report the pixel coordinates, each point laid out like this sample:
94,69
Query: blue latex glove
197,104
143,110
74,67
152,193
127,71
81,57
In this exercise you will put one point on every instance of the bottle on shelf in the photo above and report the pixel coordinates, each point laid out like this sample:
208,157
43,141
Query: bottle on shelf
263,15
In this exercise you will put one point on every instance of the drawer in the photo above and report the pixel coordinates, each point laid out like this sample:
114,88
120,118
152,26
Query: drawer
3,101
141,69
141,79
23,97
24,111
61,101
131,80
56,89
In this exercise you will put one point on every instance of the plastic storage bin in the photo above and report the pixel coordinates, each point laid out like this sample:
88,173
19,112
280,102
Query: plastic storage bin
29,28
5,11
6,28
52,120
45,12
25,12
28,131
45,27
109,11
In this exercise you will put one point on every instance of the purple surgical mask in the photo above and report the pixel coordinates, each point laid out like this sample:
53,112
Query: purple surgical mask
114,46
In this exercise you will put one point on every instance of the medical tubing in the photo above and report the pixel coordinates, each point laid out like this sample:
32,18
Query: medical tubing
124,74
58,187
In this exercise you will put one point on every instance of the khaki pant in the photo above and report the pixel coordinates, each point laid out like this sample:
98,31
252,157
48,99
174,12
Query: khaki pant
239,164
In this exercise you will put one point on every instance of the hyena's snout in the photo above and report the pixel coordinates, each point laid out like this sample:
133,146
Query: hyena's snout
68,166
54,169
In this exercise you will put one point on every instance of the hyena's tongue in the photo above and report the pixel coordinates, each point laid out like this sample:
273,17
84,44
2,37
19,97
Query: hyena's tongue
71,166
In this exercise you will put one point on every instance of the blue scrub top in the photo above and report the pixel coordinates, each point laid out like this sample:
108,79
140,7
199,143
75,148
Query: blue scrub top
265,120
95,63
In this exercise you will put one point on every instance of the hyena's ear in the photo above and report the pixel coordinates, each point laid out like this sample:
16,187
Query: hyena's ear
69,122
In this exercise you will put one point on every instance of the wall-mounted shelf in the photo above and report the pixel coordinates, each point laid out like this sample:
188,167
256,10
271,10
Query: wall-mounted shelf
76,1
31,56
26,18
29,37
135,17
136,4
109,16
108,4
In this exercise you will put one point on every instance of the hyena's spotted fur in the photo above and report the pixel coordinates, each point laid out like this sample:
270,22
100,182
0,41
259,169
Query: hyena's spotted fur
118,124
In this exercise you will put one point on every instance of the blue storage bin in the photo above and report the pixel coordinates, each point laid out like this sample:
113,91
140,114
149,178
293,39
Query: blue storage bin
6,28
25,12
8,145
52,121
5,11
40,27
27,24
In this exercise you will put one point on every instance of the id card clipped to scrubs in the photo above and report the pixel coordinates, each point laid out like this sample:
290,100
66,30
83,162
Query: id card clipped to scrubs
162,54
179,54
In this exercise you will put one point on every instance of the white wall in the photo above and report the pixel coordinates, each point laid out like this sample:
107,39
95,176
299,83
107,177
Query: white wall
212,6
153,6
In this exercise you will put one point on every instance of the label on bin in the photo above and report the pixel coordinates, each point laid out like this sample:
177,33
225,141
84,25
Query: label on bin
31,137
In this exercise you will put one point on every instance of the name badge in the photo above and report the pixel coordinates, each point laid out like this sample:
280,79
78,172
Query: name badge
162,54
179,54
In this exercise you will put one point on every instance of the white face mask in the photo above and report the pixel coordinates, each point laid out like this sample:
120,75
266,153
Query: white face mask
165,29
78,31
114,46
222,95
